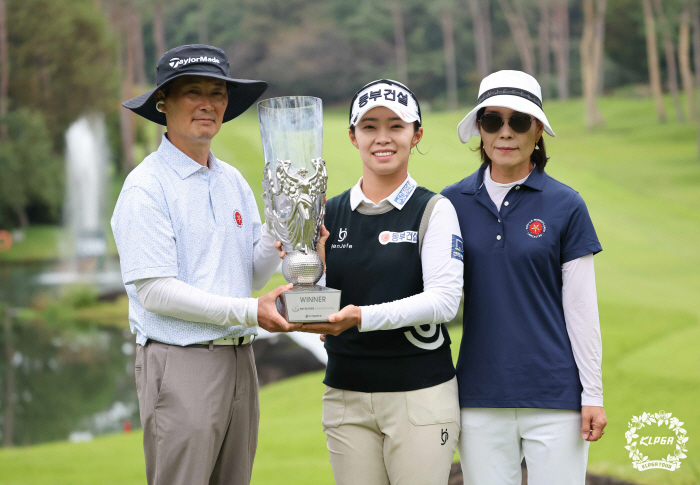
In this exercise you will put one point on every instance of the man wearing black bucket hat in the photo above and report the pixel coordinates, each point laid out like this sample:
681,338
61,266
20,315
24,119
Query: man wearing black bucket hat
191,248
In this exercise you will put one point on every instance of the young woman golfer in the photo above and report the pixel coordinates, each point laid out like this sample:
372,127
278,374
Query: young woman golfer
529,367
390,411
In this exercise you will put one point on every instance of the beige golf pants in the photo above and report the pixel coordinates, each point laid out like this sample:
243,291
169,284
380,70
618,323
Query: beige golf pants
199,411
397,438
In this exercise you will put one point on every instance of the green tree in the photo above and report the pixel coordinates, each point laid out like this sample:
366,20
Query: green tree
58,71
63,67
31,173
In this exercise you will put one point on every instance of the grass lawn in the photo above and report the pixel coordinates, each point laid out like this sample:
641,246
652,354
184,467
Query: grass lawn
40,242
641,182
292,447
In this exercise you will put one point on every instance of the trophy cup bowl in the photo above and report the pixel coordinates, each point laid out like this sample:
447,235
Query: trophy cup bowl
294,192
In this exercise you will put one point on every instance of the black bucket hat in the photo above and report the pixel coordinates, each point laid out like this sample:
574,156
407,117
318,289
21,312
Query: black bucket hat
197,60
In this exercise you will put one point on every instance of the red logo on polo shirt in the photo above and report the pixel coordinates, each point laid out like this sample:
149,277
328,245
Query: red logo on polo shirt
238,217
535,228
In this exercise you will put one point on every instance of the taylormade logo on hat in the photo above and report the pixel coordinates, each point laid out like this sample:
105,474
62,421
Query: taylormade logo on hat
387,93
175,62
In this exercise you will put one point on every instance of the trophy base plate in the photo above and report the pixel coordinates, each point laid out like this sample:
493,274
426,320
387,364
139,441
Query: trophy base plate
308,304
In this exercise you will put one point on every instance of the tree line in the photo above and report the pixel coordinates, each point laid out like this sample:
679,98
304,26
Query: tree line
95,53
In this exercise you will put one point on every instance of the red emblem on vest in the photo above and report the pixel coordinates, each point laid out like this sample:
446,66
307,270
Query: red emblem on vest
535,228
239,218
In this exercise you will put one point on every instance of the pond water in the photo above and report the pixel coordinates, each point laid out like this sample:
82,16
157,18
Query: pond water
76,383
20,283
66,381
75,380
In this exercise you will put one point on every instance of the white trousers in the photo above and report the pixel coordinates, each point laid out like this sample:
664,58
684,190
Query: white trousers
495,440
397,438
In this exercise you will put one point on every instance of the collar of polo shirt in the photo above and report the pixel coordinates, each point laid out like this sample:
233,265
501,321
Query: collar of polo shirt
181,163
535,181
398,197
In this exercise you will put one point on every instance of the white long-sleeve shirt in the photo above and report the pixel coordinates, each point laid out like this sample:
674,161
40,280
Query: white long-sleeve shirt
442,273
175,298
580,302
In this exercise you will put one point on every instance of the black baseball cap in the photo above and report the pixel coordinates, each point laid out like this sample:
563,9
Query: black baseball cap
197,60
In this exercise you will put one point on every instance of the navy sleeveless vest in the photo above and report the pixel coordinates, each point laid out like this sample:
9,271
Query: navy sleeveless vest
375,259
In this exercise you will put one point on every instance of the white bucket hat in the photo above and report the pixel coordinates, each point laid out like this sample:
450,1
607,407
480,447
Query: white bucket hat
506,89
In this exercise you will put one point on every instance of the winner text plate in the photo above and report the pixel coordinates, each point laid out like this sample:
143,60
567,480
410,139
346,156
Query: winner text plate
309,304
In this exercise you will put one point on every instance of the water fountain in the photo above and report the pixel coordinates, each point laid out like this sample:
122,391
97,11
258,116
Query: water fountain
84,247
86,162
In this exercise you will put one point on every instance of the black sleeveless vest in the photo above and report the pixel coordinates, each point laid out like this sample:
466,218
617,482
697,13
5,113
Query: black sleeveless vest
374,259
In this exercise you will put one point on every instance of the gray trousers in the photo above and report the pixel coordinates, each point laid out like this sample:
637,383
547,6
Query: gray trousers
199,411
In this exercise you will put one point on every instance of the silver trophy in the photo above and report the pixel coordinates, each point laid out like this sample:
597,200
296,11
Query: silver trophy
294,190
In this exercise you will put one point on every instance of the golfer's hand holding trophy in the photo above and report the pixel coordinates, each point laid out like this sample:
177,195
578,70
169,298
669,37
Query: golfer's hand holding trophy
294,191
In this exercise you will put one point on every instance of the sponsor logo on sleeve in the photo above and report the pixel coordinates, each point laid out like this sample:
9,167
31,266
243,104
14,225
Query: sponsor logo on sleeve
386,237
238,218
457,247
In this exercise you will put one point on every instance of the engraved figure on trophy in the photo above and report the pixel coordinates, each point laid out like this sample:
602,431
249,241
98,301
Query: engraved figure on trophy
297,220
292,134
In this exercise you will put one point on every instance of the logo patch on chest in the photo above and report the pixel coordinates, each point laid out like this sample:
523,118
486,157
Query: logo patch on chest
238,218
535,228
386,237
342,235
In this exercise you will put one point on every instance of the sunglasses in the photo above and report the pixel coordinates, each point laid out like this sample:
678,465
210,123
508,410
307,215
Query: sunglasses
492,122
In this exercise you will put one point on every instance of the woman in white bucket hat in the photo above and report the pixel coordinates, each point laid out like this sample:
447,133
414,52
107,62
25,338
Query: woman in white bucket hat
529,369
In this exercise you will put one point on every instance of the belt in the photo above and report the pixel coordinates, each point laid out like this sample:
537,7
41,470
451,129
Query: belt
237,341
228,341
